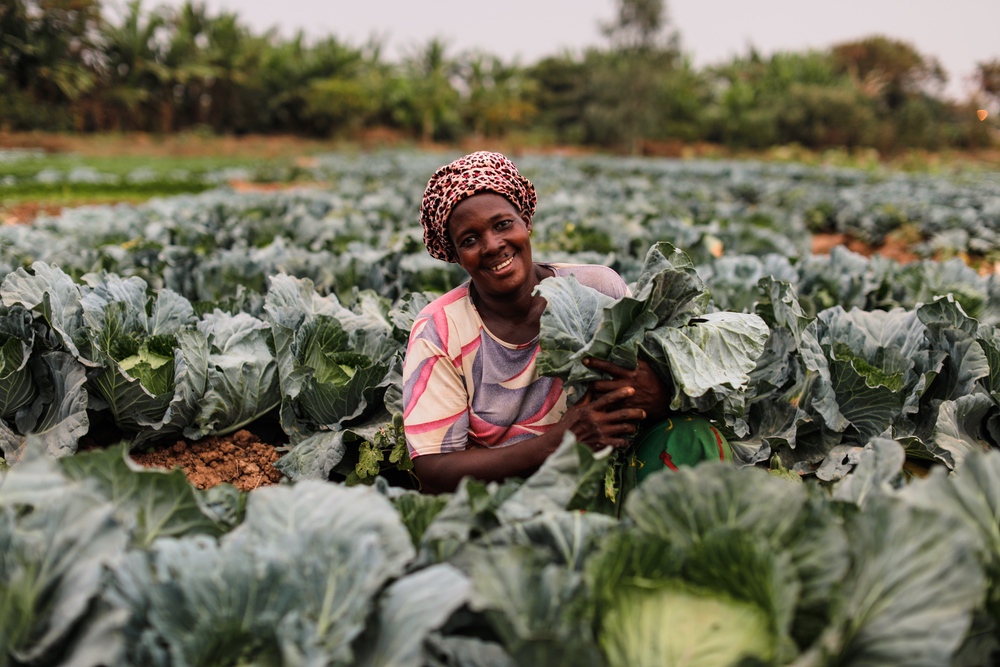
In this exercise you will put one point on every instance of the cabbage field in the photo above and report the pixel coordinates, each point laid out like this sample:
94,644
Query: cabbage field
861,397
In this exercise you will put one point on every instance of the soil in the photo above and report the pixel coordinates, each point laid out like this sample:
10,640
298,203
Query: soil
22,214
247,186
894,247
240,459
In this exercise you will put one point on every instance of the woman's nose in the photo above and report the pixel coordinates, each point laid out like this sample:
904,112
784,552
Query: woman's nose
493,242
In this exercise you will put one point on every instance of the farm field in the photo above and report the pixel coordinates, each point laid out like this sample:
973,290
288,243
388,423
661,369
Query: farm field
858,528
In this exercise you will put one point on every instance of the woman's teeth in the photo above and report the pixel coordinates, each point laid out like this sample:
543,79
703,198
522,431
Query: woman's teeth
501,267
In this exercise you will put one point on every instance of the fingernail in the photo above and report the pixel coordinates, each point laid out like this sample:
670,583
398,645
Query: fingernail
643,414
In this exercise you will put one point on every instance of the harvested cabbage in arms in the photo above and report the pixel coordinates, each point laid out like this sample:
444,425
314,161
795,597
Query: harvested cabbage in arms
706,356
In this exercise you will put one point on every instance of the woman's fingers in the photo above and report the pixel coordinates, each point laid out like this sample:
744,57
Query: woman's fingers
606,401
652,393
631,415
619,394
616,443
602,422
605,367
620,377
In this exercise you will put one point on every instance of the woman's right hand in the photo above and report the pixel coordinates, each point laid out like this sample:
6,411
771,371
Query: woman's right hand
600,422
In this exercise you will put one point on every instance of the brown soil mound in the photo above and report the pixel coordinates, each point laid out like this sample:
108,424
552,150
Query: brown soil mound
240,459
22,214
894,248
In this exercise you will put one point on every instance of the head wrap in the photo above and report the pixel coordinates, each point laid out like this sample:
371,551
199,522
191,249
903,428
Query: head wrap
467,176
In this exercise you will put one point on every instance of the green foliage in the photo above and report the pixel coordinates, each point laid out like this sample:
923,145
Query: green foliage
988,73
165,69
103,561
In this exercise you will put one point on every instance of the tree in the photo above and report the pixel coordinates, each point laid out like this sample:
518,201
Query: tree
787,97
560,92
640,25
47,52
429,100
888,70
295,78
988,76
186,68
495,97
628,80
133,71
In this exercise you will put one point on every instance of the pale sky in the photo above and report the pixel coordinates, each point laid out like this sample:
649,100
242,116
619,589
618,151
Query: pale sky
958,32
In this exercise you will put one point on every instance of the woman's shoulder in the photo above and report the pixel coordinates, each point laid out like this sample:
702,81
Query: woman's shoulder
456,298
600,277
448,322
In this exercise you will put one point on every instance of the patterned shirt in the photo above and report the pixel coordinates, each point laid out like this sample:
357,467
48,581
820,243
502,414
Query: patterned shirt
463,386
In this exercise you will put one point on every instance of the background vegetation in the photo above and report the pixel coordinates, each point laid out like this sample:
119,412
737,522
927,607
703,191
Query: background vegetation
70,65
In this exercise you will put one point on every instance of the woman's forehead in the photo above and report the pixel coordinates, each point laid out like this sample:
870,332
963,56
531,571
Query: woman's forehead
482,206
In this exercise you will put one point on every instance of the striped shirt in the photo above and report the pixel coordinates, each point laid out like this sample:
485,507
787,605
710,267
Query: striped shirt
464,387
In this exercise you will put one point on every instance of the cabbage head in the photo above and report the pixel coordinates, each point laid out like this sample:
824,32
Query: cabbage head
150,362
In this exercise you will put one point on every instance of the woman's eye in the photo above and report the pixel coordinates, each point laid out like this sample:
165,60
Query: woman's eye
504,224
467,241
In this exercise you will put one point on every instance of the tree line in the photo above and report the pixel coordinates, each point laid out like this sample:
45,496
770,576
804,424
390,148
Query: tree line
69,65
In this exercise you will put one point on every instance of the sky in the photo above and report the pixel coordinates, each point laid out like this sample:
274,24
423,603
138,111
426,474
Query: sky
957,32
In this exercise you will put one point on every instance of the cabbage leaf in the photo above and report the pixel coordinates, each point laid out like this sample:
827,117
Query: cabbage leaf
707,357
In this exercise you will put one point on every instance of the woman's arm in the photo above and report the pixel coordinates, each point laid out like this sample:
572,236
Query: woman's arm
598,422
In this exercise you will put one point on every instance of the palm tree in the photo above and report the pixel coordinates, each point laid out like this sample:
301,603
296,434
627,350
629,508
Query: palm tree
429,95
46,50
185,66
134,55
496,95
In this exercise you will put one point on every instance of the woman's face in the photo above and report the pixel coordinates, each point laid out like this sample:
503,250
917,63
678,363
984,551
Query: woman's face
491,240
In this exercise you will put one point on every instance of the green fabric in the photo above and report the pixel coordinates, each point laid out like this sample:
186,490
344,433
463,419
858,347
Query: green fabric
679,440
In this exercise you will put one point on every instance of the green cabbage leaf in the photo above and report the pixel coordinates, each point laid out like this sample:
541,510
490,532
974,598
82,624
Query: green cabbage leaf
706,356
241,383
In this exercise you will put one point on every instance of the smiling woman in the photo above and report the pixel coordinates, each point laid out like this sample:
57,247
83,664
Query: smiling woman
474,401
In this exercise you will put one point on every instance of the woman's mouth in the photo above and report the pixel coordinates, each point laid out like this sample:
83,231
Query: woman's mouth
503,265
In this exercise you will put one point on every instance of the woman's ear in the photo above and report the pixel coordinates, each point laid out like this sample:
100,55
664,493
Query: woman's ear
527,219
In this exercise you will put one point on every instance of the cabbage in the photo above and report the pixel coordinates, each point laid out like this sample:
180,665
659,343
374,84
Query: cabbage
706,356
335,365
152,370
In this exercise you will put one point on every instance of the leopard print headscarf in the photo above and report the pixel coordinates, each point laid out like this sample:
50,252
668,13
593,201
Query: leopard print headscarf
478,172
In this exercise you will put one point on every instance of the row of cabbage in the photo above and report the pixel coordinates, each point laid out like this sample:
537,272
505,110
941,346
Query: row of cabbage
798,391
362,229
161,371
241,318
803,392
105,564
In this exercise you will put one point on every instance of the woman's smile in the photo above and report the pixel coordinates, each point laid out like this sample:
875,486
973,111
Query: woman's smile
503,265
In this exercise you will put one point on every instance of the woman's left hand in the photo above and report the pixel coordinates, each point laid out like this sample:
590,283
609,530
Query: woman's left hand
652,394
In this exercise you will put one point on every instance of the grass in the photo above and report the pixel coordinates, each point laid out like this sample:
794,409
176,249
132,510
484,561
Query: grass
134,168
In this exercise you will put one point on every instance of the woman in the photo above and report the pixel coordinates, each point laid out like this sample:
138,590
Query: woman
474,403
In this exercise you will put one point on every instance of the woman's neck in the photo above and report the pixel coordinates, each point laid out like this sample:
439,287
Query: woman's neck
516,319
